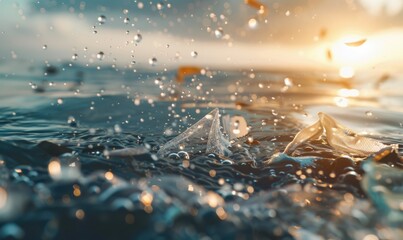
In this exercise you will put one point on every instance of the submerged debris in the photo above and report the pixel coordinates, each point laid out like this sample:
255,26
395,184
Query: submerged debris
127,152
339,137
383,185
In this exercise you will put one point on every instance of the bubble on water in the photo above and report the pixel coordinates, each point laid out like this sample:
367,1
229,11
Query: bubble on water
219,33
194,54
100,55
126,20
174,156
369,113
138,38
44,47
227,162
252,23
101,19
152,61
75,56
184,155
72,121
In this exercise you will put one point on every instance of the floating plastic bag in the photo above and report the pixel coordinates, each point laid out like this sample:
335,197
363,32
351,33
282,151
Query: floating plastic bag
203,136
339,137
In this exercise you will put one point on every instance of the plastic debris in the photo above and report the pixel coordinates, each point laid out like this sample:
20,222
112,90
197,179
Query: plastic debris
257,5
235,126
303,161
383,185
205,135
339,137
185,71
127,152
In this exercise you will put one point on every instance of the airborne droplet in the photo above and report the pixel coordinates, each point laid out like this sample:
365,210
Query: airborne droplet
252,23
194,54
160,6
100,55
138,38
152,61
75,56
126,20
101,19
219,33
44,47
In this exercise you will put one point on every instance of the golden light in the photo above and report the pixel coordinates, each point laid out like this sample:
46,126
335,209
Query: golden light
109,175
346,72
351,53
3,197
55,169
146,198
344,92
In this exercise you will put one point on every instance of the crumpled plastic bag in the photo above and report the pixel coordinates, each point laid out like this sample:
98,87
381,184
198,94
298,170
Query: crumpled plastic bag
339,137
205,135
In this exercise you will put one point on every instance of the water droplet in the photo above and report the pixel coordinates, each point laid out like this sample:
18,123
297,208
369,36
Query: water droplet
194,54
117,128
100,55
369,113
75,56
125,11
287,13
72,121
252,23
219,33
288,82
44,47
160,6
101,19
60,101
138,38
152,61
126,20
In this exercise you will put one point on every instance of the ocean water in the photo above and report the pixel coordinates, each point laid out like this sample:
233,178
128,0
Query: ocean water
58,182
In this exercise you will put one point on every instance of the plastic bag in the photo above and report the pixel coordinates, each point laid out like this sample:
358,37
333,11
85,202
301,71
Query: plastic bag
339,137
203,136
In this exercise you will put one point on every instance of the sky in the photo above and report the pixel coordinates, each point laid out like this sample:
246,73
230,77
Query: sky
207,33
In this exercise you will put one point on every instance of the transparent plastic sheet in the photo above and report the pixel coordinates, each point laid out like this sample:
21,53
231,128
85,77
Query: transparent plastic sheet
384,186
203,136
127,152
339,137
235,127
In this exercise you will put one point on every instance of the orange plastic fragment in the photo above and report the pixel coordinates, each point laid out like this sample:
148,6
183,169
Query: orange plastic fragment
185,71
257,5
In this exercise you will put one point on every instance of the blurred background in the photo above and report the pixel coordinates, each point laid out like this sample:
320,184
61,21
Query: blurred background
232,34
